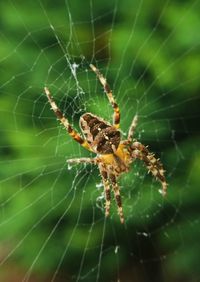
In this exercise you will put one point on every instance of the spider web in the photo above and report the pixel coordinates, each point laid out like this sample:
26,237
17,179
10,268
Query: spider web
52,225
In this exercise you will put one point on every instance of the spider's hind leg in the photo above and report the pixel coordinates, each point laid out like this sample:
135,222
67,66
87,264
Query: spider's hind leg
116,191
154,165
106,185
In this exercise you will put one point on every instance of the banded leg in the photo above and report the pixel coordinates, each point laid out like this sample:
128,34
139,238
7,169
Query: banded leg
65,121
83,160
132,128
116,116
116,191
154,165
106,185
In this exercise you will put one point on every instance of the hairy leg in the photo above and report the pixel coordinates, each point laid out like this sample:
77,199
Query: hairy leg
65,121
116,117
132,128
116,191
106,185
154,165
83,160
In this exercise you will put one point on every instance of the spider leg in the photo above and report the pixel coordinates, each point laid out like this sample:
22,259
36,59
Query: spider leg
116,116
106,185
116,190
132,128
154,165
65,121
83,160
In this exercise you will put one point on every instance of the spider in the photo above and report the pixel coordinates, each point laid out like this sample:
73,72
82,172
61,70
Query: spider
113,155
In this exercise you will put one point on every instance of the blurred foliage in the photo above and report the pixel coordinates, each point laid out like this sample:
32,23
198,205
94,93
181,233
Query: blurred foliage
151,53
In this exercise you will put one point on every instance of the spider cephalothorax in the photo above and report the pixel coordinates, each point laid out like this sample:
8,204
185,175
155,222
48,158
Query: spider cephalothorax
114,155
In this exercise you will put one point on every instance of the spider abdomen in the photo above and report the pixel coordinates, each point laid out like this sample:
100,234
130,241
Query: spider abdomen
102,137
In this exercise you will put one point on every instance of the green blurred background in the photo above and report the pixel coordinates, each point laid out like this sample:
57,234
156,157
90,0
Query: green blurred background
52,225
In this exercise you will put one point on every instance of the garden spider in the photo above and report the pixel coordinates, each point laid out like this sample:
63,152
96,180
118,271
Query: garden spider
114,155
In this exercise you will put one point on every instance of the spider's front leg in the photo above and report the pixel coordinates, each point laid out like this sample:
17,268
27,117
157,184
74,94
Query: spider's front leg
65,121
116,117
154,165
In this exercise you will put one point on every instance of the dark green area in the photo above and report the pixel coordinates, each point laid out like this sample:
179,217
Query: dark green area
150,54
